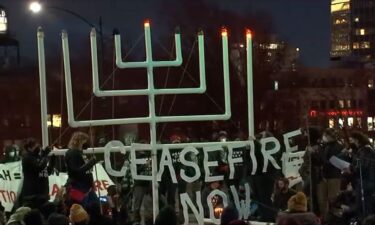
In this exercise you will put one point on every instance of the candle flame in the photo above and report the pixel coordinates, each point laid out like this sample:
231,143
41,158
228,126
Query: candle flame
248,33
224,32
147,23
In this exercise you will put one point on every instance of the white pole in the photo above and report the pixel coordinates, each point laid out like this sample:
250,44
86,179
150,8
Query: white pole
250,88
42,87
152,115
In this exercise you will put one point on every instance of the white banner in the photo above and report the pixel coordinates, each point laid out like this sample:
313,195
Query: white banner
11,178
10,183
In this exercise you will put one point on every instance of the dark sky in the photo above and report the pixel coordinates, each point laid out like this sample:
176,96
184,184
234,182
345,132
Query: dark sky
302,23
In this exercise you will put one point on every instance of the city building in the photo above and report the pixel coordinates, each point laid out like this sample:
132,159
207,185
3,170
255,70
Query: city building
353,30
324,97
9,54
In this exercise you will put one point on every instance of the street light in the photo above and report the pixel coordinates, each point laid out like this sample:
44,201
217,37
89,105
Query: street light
35,7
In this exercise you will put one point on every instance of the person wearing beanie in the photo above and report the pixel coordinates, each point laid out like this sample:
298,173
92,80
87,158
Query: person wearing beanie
229,214
17,217
78,215
166,216
297,210
58,219
33,218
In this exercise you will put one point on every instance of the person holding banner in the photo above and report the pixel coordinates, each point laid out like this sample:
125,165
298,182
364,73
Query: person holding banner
80,179
36,167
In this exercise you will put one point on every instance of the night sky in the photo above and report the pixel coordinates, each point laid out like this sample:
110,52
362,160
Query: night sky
302,23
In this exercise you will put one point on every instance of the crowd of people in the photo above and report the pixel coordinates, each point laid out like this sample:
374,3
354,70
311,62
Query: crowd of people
328,194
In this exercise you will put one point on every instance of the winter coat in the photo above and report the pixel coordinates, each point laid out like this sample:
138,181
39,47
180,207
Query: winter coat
328,170
35,171
311,164
365,160
79,171
281,199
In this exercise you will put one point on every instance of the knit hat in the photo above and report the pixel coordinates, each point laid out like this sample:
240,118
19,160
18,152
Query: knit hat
78,214
298,202
58,219
19,214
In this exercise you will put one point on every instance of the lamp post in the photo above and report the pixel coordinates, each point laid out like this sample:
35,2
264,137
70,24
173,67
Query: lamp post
36,7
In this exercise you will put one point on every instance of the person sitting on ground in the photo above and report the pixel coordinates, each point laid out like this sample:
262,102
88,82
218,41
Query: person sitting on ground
297,209
34,217
282,194
229,214
17,217
78,215
58,219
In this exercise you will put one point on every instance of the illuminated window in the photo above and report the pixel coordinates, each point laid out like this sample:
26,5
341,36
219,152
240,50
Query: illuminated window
340,5
341,104
365,44
3,22
349,103
341,47
341,122
276,85
361,31
273,46
49,120
370,123
331,123
370,83
54,120
356,45
350,121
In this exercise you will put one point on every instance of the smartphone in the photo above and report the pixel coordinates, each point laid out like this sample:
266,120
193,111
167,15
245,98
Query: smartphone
103,199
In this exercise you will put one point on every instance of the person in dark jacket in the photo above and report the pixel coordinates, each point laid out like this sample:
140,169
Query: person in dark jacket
36,167
96,218
311,166
330,183
80,179
363,169
282,194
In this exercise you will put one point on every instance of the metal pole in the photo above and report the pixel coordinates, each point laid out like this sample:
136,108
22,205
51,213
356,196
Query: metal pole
250,97
152,115
42,87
